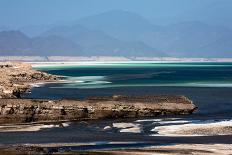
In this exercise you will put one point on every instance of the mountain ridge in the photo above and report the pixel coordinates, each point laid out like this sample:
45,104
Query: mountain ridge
124,33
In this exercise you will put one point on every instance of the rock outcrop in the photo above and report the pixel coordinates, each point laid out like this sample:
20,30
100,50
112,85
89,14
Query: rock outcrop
26,110
16,77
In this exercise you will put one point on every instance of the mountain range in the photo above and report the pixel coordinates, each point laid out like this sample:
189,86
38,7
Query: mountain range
119,33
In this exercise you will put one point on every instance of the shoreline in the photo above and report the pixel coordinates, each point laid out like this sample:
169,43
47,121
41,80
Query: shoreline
109,59
18,78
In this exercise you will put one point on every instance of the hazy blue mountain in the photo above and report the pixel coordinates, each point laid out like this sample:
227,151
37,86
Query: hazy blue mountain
34,30
17,43
97,42
181,39
123,33
188,39
219,48
120,24
13,43
80,35
55,45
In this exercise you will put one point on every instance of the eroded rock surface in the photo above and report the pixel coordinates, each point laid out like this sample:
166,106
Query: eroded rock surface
26,110
15,78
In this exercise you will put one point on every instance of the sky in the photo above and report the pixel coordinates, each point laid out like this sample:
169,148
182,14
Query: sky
17,13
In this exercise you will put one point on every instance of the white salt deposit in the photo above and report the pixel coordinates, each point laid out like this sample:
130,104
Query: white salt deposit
30,127
196,128
107,127
128,127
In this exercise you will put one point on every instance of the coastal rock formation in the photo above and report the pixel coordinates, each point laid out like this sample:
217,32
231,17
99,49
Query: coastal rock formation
26,110
16,77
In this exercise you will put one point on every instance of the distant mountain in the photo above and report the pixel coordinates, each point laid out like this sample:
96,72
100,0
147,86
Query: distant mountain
189,39
55,45
123,25
34,31
123,33
184,39
219,48
92,44
16,43
96,42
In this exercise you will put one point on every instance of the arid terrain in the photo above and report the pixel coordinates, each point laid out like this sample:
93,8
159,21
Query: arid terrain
16,77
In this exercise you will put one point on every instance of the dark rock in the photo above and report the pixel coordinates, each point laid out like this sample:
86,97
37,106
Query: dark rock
26,110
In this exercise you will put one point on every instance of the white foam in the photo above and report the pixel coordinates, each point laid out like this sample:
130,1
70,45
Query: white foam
79,81
36,85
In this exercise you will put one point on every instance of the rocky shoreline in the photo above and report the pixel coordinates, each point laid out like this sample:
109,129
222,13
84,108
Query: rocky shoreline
16,78
27,110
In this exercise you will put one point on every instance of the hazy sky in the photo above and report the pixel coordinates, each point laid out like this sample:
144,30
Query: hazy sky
16,13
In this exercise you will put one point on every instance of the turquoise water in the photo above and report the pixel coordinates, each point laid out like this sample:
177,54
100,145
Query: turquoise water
100,75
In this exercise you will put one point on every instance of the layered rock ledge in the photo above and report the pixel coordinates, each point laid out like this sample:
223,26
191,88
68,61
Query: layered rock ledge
27,110
16,77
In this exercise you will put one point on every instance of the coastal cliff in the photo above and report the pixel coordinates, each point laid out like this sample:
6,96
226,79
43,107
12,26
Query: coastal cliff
16,77
26,110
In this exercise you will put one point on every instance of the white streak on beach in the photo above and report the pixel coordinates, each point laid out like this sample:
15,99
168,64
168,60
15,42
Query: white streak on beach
30,127
196,128
128,127
173,122
107,128
157,120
